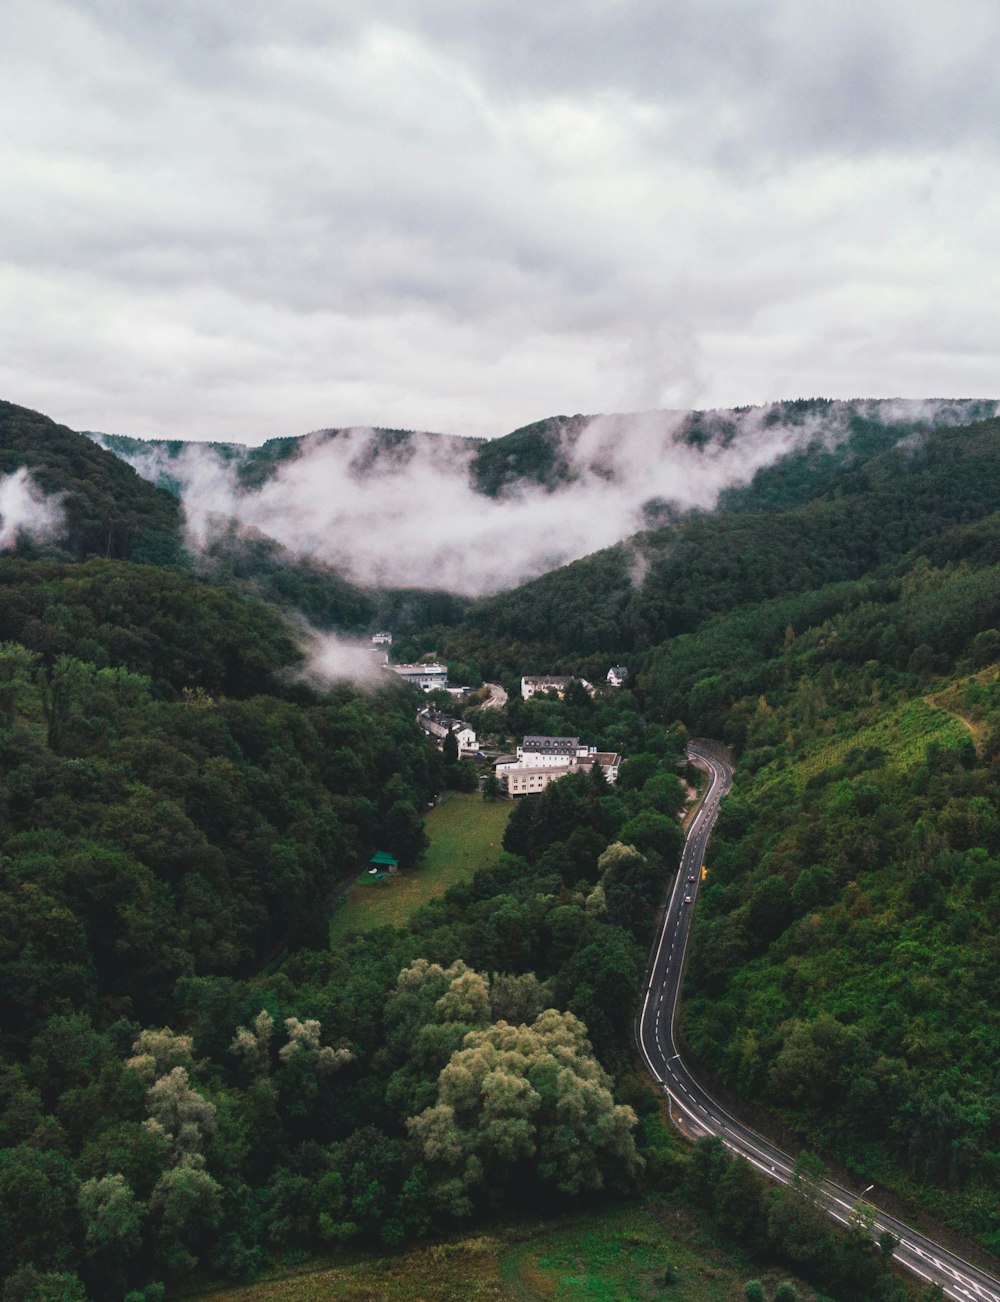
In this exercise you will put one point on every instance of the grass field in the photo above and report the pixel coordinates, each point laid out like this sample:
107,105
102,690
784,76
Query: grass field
631,1253
465,833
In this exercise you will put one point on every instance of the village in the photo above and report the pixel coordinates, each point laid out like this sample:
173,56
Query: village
538,760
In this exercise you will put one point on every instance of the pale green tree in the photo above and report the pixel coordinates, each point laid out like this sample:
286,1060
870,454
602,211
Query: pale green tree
304,1045
179,1112
527,1102
253,1044
156,1050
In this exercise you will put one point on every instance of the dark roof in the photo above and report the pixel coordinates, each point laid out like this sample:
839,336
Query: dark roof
552,744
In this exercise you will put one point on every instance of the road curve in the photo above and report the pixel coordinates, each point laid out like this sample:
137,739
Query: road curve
655,1033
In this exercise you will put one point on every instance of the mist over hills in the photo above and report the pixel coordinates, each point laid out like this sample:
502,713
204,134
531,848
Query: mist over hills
408,509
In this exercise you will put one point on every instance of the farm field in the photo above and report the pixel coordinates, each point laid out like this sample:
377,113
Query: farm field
465,834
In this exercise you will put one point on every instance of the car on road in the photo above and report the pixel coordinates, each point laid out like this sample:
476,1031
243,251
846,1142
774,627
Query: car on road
687,899
691,878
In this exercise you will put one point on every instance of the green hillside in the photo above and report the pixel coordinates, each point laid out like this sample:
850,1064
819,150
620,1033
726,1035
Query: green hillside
107,509
625,600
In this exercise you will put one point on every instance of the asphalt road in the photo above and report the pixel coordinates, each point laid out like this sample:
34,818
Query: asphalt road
497,698
699,1114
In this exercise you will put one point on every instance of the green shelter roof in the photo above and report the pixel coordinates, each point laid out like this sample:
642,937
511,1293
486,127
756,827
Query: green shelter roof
382,856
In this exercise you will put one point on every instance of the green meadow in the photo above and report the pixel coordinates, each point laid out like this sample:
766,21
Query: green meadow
466,834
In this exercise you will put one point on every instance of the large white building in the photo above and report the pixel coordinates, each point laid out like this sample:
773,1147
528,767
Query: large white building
541,760
425,676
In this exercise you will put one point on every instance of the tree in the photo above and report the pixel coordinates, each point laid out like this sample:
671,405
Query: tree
888,1243
28,1284
180,1113
492,789
739,1202
187,1207
526,1103
450,748
113,1222
111,1215
710,1160
753,1291
653,833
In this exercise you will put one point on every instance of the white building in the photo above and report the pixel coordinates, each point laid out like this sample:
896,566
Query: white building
425,676
381,639
541,760
617,675
438,726
547,751
546,683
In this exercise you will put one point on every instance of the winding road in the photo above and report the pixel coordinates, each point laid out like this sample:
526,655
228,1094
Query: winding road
699,1114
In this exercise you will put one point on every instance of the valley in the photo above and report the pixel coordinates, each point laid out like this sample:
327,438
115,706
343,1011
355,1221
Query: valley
203,1081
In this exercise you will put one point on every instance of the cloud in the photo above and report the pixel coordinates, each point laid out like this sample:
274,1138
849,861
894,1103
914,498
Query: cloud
331,659
26,511
250,218
409,515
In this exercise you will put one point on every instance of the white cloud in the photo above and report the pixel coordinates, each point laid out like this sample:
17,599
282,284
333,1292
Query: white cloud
331,659
412,517
26,511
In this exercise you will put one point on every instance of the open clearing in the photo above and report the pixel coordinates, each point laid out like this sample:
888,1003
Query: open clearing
614,1255
465,833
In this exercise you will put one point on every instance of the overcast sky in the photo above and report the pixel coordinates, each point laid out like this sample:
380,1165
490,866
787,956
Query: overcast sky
240,219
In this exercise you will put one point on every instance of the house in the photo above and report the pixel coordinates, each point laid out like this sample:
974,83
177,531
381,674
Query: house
617,675
425,676
438,726
381,639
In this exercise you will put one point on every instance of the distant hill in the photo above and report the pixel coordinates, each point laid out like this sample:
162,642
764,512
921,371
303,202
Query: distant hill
105,507
667,582
253,466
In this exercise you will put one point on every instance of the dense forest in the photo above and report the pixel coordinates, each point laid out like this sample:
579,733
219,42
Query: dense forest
193,1082
191,1078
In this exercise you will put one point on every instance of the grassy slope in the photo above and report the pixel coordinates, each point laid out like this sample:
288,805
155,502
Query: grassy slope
465,833
608,1256
903,733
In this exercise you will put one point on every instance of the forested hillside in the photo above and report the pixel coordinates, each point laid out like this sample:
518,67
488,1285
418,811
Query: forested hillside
173,1097
620,603
845,949
104,508
191,1079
